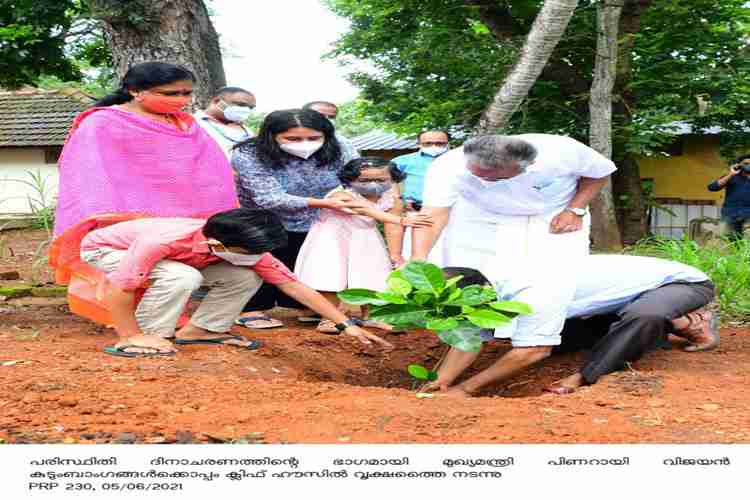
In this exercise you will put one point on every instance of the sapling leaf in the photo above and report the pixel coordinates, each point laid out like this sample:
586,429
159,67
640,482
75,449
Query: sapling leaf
455,294
487,318
466,339
360,296
452,281
399,286
401,315
472,295
423,298
467,309
511,306
442,324
418,371
432,376
424,276
391,298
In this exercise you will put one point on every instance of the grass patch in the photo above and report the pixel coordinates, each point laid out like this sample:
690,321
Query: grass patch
726,263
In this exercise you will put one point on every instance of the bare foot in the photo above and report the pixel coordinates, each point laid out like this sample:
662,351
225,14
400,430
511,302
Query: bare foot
567,385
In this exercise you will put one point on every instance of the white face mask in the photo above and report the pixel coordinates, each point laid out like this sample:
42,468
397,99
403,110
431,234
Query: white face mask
304,149
239,259
434,151
237,114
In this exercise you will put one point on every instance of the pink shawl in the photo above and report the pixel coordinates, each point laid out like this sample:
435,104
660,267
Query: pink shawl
116,161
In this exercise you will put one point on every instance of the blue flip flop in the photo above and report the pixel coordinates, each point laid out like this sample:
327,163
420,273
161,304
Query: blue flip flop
262,318
121,351
254,344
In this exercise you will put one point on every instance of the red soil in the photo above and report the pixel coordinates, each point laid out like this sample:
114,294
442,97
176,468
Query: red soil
306,387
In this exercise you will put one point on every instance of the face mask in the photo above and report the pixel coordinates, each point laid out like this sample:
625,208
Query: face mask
434,151
239,259
745,169
304,149
370,188
237,114
162,104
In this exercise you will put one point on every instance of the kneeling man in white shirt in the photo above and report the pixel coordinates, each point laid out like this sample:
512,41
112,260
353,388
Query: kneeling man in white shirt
623,307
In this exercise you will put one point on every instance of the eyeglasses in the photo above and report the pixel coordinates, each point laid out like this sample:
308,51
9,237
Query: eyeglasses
172,93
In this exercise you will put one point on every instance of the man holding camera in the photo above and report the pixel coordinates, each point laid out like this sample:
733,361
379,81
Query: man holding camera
735,213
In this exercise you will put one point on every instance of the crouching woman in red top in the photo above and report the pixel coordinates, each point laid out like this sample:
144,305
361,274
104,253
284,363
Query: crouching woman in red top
173,257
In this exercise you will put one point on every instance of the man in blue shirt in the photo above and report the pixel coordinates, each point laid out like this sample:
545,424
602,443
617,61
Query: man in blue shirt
432,143
735,213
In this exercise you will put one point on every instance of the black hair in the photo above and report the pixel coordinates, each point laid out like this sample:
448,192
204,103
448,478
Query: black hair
143,77
257,231
310,104
470,276
354,168
268,150
447,134
230,90
742,158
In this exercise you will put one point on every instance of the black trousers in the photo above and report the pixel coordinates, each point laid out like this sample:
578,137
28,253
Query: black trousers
637,328
268,296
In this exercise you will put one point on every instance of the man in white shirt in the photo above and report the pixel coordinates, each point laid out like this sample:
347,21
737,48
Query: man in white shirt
623,306
225,115
521,198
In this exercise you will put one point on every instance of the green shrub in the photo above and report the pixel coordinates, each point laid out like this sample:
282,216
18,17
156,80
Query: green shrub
726,263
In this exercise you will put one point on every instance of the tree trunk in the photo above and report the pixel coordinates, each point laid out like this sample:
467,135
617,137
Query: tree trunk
174,31
549,27
604,229
627,186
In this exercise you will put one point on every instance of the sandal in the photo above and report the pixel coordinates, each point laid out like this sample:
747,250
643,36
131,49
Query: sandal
251,346
260,322
309,319
702,331
122,351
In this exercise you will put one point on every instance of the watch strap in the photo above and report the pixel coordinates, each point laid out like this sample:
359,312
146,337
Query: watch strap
346,324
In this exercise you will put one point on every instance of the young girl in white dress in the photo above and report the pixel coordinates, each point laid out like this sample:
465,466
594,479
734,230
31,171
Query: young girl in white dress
346,250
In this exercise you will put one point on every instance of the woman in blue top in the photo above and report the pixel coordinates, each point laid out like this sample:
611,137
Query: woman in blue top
288,169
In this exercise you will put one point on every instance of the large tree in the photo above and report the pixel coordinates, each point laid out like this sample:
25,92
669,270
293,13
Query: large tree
546,32
439,62
178,31
60,38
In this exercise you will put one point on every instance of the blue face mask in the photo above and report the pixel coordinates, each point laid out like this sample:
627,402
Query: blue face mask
370,188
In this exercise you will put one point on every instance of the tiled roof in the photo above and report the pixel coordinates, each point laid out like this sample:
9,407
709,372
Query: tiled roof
686,128
379,140
34,117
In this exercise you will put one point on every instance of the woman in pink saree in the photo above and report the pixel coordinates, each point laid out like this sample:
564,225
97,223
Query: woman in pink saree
136,151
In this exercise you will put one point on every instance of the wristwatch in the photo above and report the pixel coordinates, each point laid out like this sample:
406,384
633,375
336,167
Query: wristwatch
580,212
346,324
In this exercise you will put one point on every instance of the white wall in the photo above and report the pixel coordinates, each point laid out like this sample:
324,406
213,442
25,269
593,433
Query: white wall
16,166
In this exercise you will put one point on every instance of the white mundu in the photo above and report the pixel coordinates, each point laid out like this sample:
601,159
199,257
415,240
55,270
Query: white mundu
508,220
602,284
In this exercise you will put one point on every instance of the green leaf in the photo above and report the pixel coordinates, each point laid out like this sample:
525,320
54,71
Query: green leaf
464,338
419,372
440,325
474,295
453,281
423,298
467,309
455,294
399,286
486,318
424,276
391,298
511,306
432,375
360,296
407,315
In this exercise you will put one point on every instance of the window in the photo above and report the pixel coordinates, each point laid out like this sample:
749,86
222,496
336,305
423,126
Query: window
52,154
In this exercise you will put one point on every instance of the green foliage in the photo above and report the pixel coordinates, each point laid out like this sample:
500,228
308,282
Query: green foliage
51,39
419,372
435,63
419,296
726,263
353,119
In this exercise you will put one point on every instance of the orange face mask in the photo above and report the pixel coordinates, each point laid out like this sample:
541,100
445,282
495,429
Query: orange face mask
162,104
